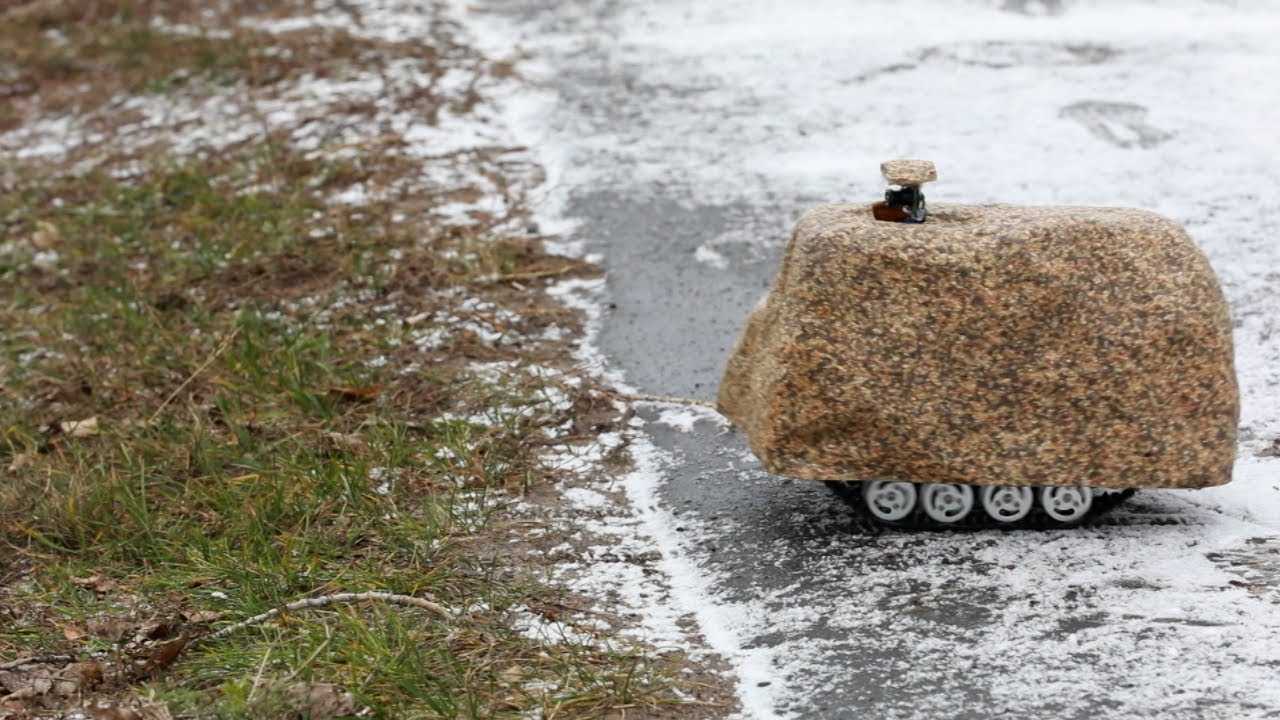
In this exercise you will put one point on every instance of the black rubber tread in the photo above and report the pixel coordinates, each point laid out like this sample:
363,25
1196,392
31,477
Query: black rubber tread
977,519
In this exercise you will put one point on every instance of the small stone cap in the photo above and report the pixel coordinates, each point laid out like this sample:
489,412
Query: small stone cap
908,172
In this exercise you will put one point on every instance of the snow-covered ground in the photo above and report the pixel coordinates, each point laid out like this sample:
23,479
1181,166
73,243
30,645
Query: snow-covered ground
768,107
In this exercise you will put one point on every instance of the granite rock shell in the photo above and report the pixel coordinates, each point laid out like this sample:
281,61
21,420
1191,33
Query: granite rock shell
990,345
908,172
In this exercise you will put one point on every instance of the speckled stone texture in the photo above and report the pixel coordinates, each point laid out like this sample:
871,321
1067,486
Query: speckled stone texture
990,345
908,172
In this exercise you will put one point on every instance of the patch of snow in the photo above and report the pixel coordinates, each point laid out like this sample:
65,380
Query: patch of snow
45,259
585,499
297,23
470,508
551,632
353,195
558,399
385,478
1253,495
583,458
681,419
430,338
385,20
493,372
706,254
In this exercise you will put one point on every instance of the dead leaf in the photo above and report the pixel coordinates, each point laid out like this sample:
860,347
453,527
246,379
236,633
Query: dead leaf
201,616
25,693
135,710
112,629
345,441
164,655
79,428
320,701
155,711
21,460
26,685
46,235
65,687
44,680
73,633
113,712
96,583
40,684
156,630
87,674
43,12
348,392
10,681
502,69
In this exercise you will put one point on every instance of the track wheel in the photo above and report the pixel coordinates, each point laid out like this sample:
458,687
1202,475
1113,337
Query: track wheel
946,503
889,500
1006,503
1066,504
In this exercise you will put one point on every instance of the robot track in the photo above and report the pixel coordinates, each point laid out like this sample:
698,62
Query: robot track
927,506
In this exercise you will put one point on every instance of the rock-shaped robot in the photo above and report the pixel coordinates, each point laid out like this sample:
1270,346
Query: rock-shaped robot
987,364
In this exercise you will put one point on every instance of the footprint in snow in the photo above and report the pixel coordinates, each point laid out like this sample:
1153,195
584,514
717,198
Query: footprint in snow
1121,124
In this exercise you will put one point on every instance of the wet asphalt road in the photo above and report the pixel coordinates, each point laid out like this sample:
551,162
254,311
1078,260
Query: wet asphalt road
1137,617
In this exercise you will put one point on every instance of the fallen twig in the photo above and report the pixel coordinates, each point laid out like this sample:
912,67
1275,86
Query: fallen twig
662,399
37,660
531,275
335,599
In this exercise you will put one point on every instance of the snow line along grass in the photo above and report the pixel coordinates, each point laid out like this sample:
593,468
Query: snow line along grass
684,590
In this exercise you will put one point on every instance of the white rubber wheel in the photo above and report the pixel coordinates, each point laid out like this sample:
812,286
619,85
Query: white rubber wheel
946,503
1066,504
889,500
1006,503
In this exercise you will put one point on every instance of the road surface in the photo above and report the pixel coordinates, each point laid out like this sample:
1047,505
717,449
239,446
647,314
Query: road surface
687,137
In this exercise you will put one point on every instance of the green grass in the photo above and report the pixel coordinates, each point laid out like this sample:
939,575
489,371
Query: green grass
266,427
219,322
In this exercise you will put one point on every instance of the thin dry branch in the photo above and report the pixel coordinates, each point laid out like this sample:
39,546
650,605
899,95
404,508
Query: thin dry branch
335,599
662,399
226,342
37,660
531,275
